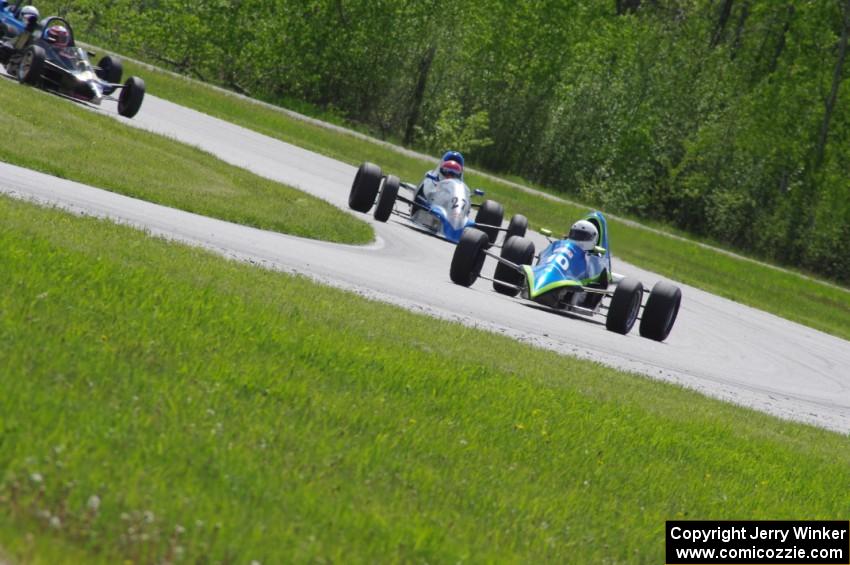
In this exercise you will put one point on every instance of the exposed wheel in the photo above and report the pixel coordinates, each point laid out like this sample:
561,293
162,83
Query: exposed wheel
517,226
660,311
364,189
517,250
468,257
490,214
32,61
130,99
386,200
624,307
110,69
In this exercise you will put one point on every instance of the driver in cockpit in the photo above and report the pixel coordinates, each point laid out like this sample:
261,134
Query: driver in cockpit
59,38
449,167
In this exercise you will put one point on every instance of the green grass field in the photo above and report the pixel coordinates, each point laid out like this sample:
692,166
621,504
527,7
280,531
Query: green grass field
785,294
162,403
63,139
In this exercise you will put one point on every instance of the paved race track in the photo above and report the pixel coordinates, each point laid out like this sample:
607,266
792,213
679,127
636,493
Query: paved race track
719,347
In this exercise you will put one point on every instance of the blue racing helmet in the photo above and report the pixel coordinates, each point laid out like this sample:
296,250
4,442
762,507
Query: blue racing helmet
453,156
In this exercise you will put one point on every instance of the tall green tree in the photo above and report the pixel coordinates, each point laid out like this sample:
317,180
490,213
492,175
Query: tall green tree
728,118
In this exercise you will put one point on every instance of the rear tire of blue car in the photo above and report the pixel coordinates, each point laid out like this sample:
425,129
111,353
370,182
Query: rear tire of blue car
32,62
517,226
490,213
386,199
110,69
469,257
131,97
364,189
517,250
660,311
625,306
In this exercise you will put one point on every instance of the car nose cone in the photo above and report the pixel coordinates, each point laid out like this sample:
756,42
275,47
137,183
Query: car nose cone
97,93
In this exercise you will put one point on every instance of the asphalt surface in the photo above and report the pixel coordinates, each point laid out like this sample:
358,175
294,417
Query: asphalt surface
721,348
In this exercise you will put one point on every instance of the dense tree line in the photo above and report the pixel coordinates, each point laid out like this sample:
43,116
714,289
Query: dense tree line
728,118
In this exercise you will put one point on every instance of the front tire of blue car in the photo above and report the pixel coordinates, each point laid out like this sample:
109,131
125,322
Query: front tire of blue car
517,250
131,97
386,199
625,306
517,226
365,187
490,213
110,69
32,62
660,311
469,257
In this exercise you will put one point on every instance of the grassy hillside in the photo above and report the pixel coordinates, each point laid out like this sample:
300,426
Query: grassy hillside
162,404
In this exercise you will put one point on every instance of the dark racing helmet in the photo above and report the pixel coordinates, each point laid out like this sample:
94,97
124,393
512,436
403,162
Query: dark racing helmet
451,170
58,36
584,234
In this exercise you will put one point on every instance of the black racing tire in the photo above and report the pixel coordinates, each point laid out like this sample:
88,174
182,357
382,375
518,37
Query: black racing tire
625,306
386,199
31,65
517,226
110,69
660,311
365,187
517,250
469,257
131,97
490,213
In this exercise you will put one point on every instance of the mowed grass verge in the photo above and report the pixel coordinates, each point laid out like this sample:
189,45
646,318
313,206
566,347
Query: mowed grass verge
63,139
160,402
785,294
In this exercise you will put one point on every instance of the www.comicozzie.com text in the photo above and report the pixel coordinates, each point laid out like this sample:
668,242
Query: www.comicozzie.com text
727,534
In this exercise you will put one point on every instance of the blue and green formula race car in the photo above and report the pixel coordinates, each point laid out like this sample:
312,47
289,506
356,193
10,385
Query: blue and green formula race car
572,274
440,205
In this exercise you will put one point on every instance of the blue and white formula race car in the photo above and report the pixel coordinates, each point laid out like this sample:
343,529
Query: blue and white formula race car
14,19
573,274
439,205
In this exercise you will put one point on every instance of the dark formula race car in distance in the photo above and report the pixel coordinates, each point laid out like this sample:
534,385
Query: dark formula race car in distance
38,57
445,214
570,279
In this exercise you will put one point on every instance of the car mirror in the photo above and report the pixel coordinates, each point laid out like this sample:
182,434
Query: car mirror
547,233
478,192
600,250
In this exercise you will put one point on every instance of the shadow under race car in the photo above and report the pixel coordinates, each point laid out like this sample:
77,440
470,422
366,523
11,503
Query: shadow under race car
567,278
66,70
446,214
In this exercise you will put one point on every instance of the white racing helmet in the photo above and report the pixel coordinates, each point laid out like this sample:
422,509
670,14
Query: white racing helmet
585,234
29,14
